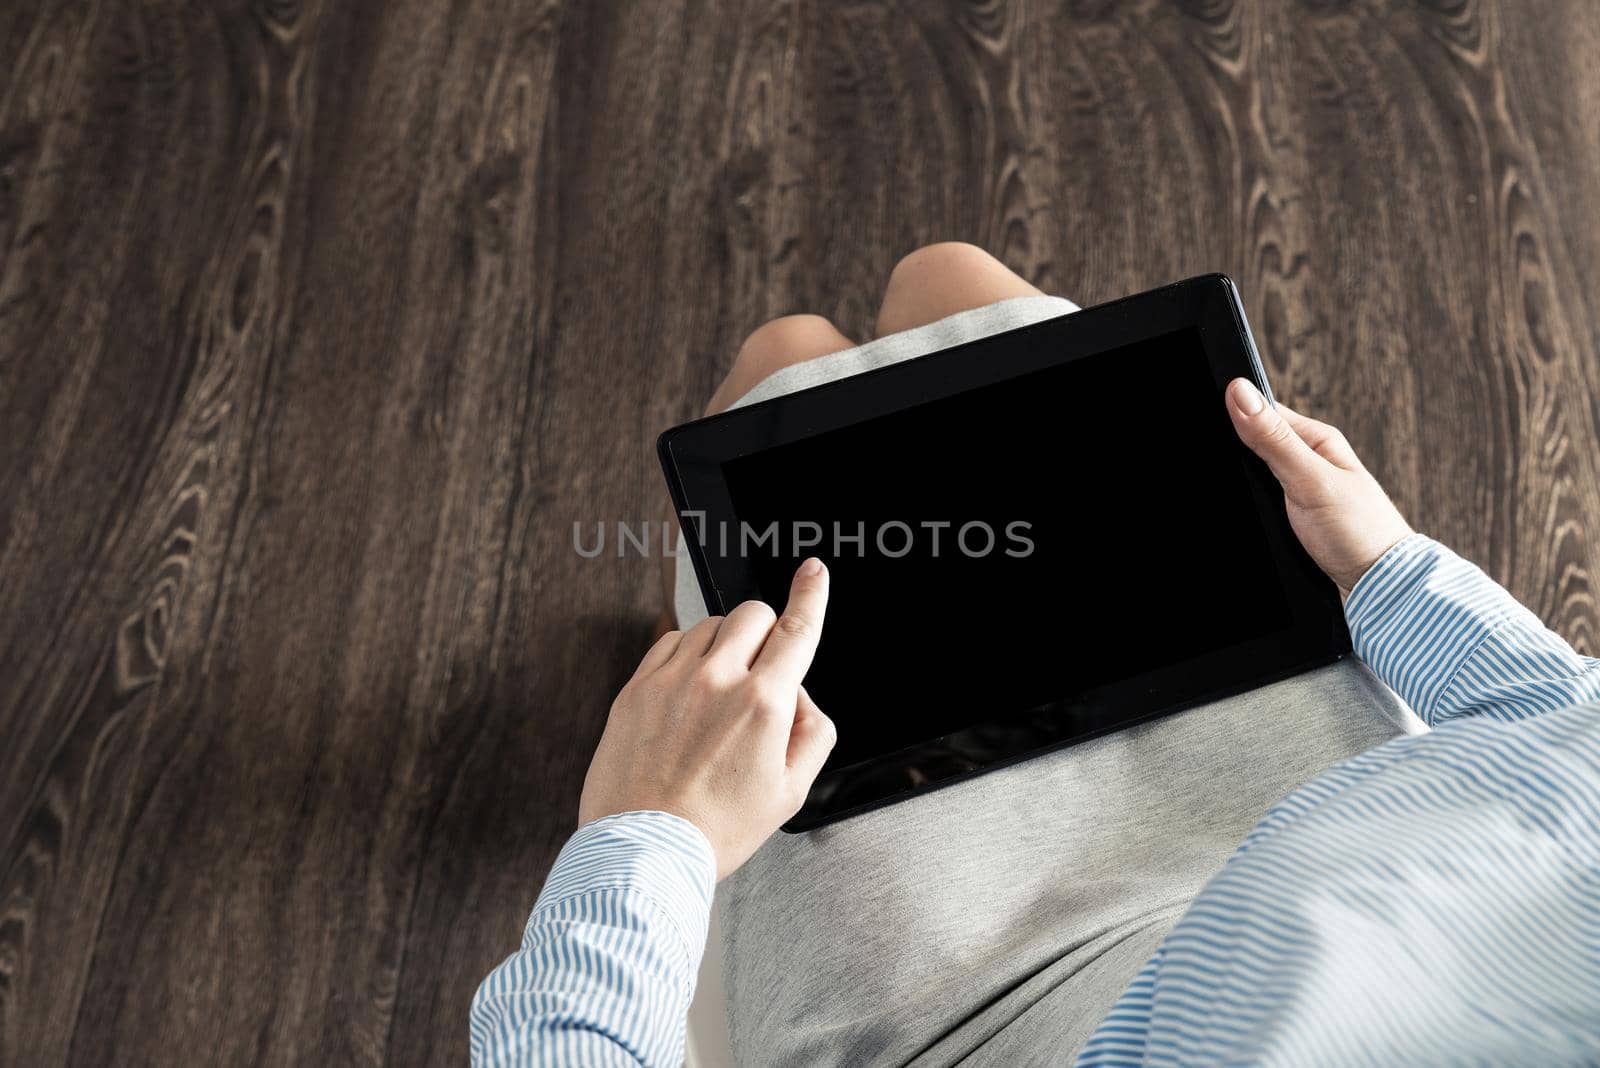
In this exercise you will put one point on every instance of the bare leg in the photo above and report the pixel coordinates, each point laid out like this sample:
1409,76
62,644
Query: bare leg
940,280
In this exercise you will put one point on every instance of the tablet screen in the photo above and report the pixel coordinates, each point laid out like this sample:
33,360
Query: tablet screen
999,549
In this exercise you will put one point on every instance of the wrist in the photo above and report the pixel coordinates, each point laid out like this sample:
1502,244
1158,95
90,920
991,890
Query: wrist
1348,581
649,850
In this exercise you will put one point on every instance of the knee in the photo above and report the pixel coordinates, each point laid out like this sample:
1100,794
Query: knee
775,345
946,259
936,280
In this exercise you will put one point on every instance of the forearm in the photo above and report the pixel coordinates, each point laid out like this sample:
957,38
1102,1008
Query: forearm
1453,643
608,960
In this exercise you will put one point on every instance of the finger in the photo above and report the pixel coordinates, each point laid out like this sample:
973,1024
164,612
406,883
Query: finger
699,638
793,642
659,653
744,631
1267,434
1325,438
811,739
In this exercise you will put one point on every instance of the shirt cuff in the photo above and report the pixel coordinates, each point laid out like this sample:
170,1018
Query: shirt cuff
657,856
1393,568
1419,614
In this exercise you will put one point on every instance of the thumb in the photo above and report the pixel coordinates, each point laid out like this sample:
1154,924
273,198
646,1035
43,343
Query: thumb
810,740
1259,425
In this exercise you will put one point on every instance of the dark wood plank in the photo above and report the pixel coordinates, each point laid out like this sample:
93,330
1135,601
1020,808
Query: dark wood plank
321,324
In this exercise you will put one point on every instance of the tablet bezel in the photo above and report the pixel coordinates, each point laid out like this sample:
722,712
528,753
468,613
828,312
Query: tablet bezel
692,456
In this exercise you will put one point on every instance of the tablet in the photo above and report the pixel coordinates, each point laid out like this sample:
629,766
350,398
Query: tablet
1035,538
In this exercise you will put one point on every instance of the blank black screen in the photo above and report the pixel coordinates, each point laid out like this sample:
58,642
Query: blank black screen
1146,549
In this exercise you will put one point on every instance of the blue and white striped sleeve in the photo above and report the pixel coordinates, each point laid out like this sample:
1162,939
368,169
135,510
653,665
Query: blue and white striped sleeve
1453,643
609,957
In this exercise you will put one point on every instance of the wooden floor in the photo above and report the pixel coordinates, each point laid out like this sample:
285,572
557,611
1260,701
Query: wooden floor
322,323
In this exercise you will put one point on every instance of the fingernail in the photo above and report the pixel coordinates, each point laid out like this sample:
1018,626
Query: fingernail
812,566
1247,398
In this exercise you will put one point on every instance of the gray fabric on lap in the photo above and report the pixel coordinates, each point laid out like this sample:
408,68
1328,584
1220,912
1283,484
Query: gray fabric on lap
997,920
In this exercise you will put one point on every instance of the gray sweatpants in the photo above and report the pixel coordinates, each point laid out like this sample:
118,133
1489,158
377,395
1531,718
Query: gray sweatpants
995,921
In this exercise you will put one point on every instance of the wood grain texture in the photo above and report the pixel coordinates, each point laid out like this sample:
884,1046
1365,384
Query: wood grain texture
322,323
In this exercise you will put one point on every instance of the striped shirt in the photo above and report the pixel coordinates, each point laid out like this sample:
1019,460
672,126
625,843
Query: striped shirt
1434,900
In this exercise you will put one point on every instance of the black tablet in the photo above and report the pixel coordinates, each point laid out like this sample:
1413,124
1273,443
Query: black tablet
1034,538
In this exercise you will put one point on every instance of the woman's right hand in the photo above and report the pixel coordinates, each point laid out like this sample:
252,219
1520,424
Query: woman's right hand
715,726
1339,512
